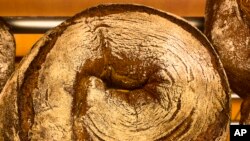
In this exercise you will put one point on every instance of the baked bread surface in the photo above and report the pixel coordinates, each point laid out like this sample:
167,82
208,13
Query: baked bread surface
118,72
7,53
227,27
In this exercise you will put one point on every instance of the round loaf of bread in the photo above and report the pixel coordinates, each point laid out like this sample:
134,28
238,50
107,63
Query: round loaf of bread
227,27
7,53
118,72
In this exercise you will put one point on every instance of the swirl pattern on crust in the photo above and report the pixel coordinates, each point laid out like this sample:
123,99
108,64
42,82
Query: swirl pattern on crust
118,72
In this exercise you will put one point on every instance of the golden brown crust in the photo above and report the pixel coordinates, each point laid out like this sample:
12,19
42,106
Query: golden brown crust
113,73
7,53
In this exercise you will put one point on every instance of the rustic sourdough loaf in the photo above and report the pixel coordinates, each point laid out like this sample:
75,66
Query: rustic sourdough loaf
227,26
118,72
7,53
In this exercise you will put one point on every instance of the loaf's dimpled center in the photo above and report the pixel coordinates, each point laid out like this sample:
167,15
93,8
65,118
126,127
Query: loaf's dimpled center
115,80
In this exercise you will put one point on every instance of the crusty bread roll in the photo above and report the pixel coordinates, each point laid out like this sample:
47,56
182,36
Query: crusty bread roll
118,72
227,26
7,53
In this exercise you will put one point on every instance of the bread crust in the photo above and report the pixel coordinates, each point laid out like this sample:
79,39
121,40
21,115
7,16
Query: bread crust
113,73
227,27
7,53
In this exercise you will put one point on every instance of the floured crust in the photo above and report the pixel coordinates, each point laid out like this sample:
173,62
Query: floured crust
7,54
227,26
113,73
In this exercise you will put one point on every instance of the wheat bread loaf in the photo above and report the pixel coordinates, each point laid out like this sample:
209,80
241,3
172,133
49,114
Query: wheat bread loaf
227,27
118,72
